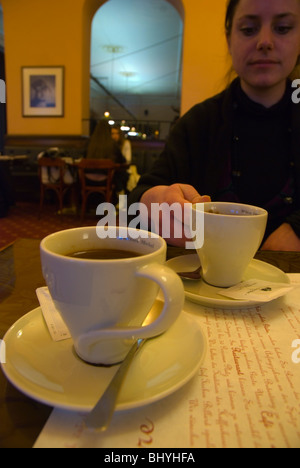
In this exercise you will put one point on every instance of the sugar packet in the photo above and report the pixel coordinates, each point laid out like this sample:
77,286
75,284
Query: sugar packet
257,290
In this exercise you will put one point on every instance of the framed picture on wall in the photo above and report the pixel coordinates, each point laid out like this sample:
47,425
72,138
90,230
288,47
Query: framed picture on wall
43,91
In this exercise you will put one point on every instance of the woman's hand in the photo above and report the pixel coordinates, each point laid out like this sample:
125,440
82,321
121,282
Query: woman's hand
283,239
180,194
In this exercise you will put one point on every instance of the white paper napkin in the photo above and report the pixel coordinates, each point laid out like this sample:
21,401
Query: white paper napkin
57,327
257,290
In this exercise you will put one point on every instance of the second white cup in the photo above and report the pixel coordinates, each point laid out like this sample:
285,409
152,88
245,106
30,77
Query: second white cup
233,233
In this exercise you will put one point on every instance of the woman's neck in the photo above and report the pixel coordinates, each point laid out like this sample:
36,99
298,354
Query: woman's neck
267,97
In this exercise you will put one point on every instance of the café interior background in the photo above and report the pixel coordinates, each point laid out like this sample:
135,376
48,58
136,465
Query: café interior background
157,57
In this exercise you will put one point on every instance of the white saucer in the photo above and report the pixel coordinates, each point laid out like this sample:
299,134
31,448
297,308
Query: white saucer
206,295
50,372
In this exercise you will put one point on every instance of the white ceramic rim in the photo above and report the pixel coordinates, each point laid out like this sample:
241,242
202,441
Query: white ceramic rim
161,249
261,212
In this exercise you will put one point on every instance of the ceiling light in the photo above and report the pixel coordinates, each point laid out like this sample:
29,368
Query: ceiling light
113,49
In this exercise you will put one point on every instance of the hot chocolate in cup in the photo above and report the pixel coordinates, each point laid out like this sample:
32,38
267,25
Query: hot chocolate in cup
233,233
105,297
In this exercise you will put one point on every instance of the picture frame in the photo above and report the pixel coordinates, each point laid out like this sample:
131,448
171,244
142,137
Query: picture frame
43,91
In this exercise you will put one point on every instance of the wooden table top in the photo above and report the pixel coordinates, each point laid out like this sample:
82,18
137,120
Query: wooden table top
21,418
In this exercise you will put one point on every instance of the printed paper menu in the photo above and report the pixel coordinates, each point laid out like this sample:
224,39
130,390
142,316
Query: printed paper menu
246,393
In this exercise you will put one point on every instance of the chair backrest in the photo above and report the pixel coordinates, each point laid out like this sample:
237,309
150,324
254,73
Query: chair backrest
107,166
97,164
50,163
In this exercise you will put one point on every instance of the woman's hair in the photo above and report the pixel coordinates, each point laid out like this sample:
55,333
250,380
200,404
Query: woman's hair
101,145
230,11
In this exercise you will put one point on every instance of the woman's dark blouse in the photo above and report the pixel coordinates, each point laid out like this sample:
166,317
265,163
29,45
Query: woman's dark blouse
234,149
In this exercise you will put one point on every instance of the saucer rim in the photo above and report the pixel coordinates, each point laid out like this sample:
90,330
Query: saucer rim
224,303
135,402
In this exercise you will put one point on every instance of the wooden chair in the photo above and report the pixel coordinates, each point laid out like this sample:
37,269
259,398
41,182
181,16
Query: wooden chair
106,186
58,185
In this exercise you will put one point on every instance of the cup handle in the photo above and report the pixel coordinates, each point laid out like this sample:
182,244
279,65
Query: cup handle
173,292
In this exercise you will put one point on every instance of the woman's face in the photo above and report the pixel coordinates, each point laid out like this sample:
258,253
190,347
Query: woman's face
265,44
115,134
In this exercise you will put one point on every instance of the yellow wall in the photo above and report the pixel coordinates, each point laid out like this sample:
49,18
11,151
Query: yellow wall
47,32
205,57
57,32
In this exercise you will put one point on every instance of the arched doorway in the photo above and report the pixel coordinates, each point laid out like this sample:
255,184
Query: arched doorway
136,51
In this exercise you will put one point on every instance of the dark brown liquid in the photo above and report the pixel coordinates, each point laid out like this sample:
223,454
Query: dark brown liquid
104,254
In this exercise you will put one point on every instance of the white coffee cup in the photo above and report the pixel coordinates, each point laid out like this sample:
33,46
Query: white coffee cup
104,302
233,233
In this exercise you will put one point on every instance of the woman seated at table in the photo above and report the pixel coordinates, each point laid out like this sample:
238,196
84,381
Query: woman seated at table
102,146
243,144
126,150
123,143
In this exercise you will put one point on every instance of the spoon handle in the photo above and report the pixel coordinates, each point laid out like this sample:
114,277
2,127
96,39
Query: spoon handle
193,275
101,415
